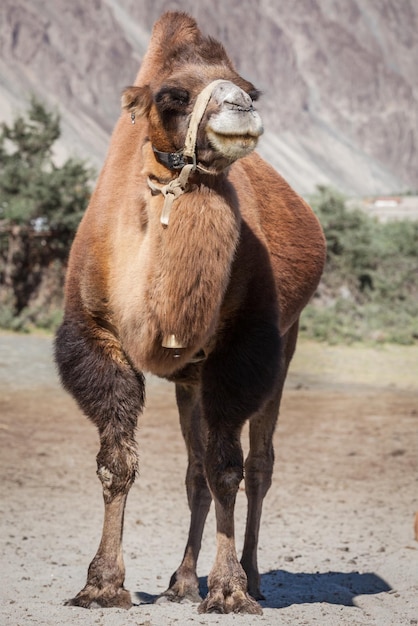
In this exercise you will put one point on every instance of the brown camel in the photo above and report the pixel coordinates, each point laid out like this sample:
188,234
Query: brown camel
193,261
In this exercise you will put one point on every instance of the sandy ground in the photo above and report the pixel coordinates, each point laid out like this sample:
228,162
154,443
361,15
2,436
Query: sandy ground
337,543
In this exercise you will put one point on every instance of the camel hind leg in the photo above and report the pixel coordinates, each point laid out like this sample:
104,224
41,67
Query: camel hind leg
184,584
93,369
259,466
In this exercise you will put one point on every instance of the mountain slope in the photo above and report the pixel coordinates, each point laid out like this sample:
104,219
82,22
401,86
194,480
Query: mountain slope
340,101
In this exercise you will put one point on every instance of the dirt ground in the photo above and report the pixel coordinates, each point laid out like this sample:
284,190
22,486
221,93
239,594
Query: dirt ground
337,542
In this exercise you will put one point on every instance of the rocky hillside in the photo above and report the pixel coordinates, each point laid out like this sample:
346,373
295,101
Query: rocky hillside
340,101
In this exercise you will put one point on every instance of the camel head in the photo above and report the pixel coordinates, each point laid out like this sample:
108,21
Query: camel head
193,102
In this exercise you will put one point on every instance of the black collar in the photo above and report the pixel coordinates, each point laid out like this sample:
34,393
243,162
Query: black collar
172,160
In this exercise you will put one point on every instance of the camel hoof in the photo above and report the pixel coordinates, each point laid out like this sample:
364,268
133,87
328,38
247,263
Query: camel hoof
188,595
92,597
256,594
238,602
183,588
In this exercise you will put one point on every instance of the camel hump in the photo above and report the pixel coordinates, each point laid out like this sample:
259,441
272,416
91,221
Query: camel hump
173,30
177,40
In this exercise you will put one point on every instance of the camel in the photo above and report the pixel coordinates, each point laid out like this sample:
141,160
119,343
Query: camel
193,262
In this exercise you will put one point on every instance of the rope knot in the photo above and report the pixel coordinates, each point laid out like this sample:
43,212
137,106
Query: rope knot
173,190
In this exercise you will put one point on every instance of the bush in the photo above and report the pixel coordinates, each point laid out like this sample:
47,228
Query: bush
369,290
40,208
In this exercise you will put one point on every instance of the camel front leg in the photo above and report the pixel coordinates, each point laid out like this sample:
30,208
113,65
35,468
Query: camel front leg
237,379
106,572
93,368
184,583
227,580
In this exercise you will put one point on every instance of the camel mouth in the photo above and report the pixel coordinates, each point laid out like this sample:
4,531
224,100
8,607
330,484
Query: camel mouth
232,123
250,134
225,139
233,145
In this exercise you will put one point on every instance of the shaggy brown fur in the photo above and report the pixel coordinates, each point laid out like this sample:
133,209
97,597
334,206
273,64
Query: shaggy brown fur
228,278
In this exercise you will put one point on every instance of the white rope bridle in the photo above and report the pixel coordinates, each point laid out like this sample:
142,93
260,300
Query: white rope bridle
179,185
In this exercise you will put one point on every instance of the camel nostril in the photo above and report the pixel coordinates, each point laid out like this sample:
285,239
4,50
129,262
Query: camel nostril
238,100
233,97
238,106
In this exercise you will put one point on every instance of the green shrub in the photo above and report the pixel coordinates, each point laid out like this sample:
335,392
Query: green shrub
369,290
41,205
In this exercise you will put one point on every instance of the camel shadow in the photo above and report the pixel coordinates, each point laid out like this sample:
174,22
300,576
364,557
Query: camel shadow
282,588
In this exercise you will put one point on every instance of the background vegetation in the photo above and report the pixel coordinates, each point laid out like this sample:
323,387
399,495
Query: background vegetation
41,205
369,291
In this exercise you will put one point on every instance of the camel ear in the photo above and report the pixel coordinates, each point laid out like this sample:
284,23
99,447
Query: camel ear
137,100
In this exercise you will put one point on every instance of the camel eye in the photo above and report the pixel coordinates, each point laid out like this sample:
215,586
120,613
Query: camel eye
180,96
172,99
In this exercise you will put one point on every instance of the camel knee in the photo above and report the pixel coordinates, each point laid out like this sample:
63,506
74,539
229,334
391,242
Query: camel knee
224,483
114,484
224,469
116,468
196,485
259,473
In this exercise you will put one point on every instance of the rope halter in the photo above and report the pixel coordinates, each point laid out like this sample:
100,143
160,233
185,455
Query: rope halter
178,186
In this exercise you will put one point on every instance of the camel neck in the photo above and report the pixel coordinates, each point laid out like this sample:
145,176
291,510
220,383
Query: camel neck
187,265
